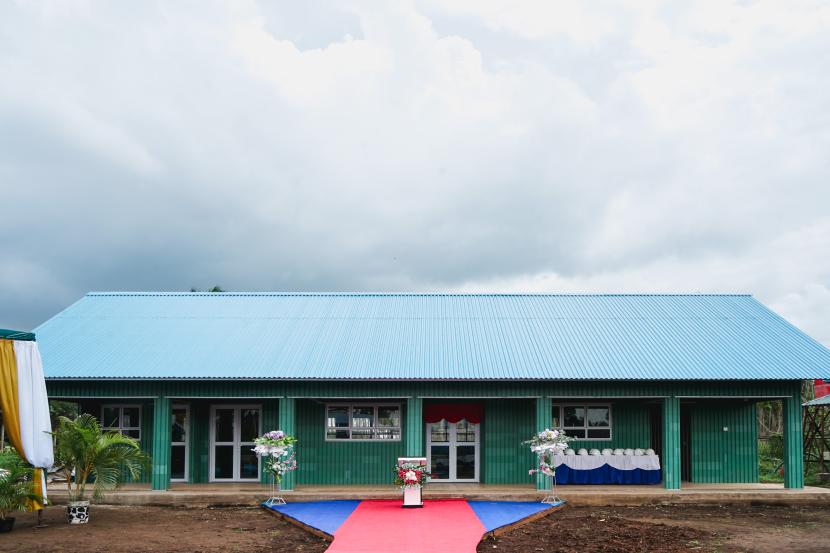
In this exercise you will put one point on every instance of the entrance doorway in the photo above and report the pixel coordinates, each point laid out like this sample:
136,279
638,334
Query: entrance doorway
452,451
233,429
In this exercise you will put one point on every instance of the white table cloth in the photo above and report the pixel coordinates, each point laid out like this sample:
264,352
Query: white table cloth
620,462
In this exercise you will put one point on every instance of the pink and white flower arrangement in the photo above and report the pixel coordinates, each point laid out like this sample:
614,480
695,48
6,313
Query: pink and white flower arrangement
277,449
546,444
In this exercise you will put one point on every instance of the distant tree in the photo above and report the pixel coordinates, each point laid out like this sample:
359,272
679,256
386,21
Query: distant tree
216,288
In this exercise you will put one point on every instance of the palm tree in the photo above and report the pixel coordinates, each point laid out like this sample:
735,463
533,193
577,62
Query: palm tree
83,448
16,477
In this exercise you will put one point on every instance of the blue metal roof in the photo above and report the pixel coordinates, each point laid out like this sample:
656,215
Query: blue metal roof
819,401
426,336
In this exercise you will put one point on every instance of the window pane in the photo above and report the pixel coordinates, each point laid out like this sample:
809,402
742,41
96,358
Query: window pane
389,416
338,434
361,433
440,467
177,462
465,462
133,433
248,467
177,432
574,416
578,433
557,420
111,417
224,425
599,416
338,417
601,433
250,425
465,431
387,434
439,431
363,417
223,462
130,418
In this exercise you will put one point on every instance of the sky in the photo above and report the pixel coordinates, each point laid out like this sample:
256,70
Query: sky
470,145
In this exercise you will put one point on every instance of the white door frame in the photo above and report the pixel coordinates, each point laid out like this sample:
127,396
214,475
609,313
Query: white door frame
237,442
453,443
186,442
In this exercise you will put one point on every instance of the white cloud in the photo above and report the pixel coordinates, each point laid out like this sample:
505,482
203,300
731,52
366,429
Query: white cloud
426,145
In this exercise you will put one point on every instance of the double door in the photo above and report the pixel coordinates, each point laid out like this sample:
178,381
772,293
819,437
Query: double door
452,451
233,429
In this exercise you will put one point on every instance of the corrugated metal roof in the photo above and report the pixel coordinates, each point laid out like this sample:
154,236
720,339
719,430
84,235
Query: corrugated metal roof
425,336
818,401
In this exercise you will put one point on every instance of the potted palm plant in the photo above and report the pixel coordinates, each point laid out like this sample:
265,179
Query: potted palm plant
85,453
16,493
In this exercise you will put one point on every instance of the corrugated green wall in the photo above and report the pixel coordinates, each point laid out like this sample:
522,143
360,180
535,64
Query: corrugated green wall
336,463
720,456
506,424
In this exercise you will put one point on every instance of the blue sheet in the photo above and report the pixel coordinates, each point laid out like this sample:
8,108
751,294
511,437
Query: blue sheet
606,475
323,515
495,514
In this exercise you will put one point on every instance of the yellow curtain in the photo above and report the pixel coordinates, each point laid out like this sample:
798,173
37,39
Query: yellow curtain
9,404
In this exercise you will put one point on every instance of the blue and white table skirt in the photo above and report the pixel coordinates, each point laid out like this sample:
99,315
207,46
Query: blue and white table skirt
607,469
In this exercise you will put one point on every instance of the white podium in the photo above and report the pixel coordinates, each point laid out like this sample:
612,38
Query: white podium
412,497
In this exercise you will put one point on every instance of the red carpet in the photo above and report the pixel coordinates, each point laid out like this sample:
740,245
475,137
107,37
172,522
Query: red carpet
384,527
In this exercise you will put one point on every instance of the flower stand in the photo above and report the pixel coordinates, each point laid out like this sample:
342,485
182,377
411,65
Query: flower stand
411,475
276,493
552,498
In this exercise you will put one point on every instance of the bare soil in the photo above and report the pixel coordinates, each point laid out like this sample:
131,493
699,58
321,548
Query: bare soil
573,529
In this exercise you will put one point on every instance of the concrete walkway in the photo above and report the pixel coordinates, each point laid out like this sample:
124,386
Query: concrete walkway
253,494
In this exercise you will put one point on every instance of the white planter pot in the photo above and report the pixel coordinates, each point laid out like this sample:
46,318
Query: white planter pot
412,497
77,512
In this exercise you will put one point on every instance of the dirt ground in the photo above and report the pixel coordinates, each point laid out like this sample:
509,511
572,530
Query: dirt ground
572,529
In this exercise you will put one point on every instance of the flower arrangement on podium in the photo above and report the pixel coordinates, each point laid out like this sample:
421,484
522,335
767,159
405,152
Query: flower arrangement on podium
545,445
410,476
277,451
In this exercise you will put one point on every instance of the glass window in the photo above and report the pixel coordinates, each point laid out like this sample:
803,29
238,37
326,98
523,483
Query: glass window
583,422
125,419
363,422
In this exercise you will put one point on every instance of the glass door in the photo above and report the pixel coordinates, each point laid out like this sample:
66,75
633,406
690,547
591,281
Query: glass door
178,444
232,433
452,451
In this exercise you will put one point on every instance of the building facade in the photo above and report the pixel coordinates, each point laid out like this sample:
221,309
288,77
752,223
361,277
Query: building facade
361,379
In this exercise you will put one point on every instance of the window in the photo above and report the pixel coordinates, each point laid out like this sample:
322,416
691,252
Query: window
363,422
125,419
583,422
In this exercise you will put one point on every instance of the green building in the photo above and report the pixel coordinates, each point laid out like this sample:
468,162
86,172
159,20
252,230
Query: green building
463,379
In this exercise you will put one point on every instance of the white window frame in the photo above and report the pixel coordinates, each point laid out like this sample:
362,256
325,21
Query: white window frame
565,429
185,443
121,428
453,443
237,442
350,407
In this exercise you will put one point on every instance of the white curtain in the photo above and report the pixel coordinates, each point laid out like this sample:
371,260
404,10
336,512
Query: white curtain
33,407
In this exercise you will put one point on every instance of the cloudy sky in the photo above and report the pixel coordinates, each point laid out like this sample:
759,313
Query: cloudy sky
474,145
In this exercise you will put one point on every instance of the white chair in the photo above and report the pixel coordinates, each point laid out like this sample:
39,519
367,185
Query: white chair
570,451
594,452
649,451
628,451
607,451
582,451
638,451
618,451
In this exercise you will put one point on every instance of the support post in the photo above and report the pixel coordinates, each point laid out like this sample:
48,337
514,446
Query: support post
270,421
287,423
544,418
793,440
162,427
414,438
671,443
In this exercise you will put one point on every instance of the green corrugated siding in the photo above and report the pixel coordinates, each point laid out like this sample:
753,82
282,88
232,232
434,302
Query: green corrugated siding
392,389
720,456
321,462
199,441
506,424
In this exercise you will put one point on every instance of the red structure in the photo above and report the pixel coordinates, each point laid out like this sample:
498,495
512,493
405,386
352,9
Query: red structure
822,388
